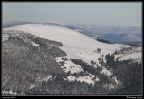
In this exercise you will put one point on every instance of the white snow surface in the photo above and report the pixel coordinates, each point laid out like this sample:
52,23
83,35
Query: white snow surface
75,44
135,54
34,44
39,80
106,71
88,79
5,37
9,92
69,66
73,68
116,80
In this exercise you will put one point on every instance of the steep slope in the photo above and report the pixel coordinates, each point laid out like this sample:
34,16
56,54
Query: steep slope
27,60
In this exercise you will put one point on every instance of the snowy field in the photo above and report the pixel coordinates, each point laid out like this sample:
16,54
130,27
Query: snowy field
135,53
75,44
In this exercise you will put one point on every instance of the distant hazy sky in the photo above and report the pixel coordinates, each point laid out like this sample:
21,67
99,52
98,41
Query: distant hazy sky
103,13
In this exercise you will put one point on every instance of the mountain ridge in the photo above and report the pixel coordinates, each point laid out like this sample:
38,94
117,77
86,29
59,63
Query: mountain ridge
64,61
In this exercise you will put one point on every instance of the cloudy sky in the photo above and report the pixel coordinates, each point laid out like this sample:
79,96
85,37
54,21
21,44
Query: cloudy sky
101,13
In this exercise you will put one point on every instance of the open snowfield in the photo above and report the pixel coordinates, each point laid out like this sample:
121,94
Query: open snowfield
135,53
136,56
75,44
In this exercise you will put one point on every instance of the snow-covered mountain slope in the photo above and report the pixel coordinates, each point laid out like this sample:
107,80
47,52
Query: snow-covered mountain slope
134,53
75,44
69,66
114,34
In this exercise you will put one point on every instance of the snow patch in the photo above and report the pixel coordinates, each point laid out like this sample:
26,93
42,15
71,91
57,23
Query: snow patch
49,77
69,66
115,79
97,79
32,86
131,56
39,80
106,72
5,37
134,53
109,86
34,44
87,78
71,78
9,92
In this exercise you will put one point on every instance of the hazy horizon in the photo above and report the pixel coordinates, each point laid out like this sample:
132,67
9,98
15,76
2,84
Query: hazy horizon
96,13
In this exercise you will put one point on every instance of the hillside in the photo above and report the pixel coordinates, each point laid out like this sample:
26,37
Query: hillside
53,59
133,89
114,34
74,42
27,59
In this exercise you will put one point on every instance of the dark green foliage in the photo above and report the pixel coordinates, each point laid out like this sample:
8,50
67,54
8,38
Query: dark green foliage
23,63
92,62
104,41
133,89
79,74
59,86
110,61
30,37
86,67
98,50
61,63
92,70
64,58
127,71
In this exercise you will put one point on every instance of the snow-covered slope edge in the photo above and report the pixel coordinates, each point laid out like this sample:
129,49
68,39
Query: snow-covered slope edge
75,44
